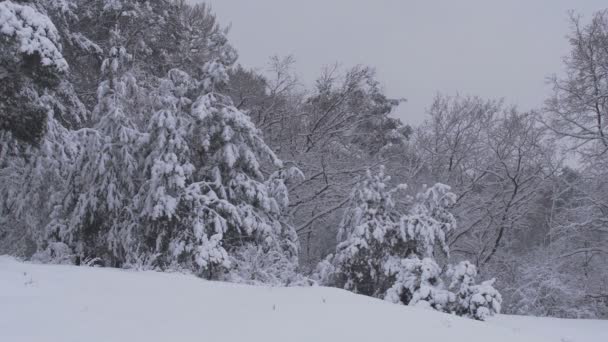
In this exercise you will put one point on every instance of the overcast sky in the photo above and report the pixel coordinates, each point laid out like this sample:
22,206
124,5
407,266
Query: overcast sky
488,48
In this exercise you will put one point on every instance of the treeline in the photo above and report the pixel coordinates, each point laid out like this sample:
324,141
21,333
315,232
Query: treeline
132,138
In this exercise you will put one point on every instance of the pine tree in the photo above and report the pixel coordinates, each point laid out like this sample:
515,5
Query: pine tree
166,170
30,63
206,205
95,219
428,221
368,232
31,179
231,207
390,254
36,149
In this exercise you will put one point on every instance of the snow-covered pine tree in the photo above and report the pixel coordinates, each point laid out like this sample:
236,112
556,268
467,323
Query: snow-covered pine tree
36,149
166,169
276,265
95,217
367,235
390,254
32,178
428,221
229,145
30,62
415,275
418,278
206,199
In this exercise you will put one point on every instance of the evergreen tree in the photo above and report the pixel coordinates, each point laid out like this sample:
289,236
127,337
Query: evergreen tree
166,168
30,63
231,206
368,234
36,149
390,254
428,221
97,217
205,204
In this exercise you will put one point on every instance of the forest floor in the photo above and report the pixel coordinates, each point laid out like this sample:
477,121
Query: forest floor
56,303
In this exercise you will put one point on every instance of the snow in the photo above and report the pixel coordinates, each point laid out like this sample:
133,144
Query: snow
33,31
67,303
556,329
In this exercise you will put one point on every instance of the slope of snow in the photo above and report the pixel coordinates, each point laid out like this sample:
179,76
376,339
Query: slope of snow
66,303
563,330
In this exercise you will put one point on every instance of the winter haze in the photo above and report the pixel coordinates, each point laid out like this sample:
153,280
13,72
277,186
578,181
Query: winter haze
494,49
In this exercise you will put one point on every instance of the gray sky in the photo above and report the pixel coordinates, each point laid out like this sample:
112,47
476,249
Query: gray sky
479,47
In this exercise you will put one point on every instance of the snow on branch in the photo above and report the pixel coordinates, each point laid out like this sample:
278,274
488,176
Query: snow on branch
34,32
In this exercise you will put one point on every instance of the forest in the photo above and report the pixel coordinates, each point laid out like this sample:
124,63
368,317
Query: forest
131,137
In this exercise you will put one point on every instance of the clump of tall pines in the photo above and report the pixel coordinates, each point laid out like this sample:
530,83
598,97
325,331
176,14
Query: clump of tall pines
121,147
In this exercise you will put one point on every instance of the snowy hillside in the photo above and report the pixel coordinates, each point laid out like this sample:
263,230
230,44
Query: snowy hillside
563,330
66,303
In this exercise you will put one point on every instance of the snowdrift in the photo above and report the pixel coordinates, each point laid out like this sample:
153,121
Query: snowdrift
59,303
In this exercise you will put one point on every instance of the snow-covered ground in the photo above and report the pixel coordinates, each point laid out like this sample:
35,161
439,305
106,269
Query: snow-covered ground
563,330
49,303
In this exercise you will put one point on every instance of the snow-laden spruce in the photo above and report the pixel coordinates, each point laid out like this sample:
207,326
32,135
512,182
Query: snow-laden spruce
389,253
95,218
215,195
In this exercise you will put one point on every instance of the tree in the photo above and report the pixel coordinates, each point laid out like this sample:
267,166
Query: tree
577,114
37,103
418,282
227,146
390,254
166,169
496,160
474,301
206,205
97,215
30,62
333,133
578,109
367,231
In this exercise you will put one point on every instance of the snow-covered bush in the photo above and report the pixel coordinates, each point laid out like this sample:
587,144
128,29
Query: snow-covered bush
255,265
389,254
418,282
478,301
325,271
55,253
